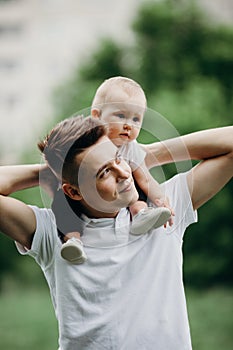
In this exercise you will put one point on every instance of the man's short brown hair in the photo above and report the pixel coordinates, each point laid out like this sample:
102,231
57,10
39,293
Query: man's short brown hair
66,140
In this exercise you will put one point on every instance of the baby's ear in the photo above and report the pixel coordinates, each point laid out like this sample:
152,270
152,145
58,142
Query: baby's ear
95,113
72,192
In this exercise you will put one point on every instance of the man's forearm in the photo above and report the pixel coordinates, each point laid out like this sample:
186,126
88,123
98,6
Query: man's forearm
18,177
200,145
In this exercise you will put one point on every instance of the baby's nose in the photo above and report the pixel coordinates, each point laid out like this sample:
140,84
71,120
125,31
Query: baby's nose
127,125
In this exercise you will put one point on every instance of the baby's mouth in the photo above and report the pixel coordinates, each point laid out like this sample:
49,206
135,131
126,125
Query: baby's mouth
125,135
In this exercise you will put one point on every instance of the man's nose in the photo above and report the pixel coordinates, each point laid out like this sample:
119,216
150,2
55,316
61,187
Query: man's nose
121,173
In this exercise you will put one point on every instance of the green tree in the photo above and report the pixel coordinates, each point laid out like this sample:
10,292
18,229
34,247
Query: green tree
175,43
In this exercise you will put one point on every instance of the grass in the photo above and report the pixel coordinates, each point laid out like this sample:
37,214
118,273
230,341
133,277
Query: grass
27,320
211,319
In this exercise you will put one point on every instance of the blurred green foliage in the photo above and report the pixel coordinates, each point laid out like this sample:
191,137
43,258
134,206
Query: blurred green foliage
175,44
27,320
184,63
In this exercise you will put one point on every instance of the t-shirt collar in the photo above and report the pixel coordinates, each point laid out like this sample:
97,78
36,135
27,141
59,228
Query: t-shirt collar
106,232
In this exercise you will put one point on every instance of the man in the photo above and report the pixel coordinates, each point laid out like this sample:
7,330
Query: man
129,293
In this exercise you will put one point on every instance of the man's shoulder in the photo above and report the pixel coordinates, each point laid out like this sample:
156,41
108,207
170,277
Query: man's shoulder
177,179
176,189
47,212
177,192
45,237
44,217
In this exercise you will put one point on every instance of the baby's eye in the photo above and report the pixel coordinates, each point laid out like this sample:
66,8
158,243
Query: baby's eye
136,120
120,116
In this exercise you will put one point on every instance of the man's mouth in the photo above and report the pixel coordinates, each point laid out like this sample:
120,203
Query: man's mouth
127,188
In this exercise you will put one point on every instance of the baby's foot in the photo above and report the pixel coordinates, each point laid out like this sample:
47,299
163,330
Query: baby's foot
73,251
149,218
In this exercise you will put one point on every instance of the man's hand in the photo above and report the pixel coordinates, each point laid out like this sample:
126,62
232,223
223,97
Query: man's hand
48,181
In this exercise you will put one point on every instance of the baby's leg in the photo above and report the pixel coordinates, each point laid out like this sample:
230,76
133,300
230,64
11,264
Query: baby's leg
146,218
70,235
136,207
68,226
72,250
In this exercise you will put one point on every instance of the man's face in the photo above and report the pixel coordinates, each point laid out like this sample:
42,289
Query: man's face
124,117
105,180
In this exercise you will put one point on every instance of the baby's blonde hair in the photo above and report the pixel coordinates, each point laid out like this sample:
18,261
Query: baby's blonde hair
105,92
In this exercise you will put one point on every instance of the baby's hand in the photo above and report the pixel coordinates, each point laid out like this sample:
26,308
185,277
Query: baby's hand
164,202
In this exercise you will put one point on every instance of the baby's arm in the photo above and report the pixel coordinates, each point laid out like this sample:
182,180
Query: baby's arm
151,188
148,184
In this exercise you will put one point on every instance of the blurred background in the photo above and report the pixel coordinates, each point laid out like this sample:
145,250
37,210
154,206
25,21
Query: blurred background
53,55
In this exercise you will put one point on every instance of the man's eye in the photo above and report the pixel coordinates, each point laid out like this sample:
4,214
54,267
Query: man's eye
104,173
118,159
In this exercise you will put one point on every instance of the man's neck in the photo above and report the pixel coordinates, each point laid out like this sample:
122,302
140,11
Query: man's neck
96,214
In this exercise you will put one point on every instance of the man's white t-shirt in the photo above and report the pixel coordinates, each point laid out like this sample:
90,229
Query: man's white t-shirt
129,294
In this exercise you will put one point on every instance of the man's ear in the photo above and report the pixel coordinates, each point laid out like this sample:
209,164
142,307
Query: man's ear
95,113
72,191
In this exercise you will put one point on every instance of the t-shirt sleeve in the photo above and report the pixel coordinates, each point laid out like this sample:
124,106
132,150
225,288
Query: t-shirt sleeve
133,154
45,238
177,191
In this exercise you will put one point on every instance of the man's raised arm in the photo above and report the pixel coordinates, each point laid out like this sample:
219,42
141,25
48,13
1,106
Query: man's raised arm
198,145
214,149
17,220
